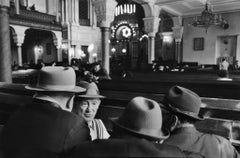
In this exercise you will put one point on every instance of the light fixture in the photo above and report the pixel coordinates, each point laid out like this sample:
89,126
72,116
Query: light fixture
124,50
208,18
94,55
113,50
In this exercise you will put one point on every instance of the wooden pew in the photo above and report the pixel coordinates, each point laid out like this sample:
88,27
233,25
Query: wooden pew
222,111
220,108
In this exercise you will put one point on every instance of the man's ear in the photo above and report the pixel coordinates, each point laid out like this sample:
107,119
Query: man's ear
173,122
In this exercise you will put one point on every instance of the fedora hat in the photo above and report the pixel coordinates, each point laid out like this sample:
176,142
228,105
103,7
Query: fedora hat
183,101
92,90
142,116
56,79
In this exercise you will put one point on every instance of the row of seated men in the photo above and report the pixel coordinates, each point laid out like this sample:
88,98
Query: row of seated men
60,122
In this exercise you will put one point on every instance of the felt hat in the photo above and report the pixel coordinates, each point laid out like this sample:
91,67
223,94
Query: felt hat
56,79
92,90
142,116
183,101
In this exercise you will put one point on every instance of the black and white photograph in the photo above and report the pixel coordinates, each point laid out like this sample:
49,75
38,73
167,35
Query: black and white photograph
119,78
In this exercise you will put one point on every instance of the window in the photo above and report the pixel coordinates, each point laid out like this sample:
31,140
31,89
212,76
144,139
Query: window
84,12
83,9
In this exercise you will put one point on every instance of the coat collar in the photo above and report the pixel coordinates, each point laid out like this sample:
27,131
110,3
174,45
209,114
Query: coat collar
190,129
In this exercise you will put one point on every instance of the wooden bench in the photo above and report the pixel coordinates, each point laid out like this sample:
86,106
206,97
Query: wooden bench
221,106
222,114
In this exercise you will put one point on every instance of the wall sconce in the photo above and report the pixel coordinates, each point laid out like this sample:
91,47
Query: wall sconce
38,49
82,54
71,52
94,55
124,50
167,39
113,50
64,46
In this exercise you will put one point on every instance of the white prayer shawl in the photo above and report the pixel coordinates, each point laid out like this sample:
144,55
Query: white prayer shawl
98,130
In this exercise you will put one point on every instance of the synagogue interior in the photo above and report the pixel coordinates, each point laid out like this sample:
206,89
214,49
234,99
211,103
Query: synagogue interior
128,48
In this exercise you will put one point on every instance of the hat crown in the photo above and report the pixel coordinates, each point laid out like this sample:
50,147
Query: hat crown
91,88
184,100
143,116
56,78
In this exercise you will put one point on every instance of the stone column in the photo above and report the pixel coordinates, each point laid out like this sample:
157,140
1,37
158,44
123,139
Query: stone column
63,12
5,48
151,27
57,10
67,11
151,49
238,49
19,45
77,11
177,34
17,6
105,48
105,15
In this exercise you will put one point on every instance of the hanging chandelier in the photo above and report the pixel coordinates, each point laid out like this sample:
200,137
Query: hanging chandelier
208,18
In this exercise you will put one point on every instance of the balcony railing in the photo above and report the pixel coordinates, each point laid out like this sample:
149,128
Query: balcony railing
32,16
37,16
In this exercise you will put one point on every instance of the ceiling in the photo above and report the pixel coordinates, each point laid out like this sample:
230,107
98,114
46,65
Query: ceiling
193,7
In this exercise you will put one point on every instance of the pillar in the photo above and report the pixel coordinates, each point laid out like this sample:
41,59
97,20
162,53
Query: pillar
77,11
151,27
105,48
238,49
151,55
177,34
63,12
57,10
19,49
67,11
105,10
5,48
17,6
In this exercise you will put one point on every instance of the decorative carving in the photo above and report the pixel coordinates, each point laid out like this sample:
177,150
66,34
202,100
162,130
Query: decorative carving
151,25
5,3
177,21
105,10
177,33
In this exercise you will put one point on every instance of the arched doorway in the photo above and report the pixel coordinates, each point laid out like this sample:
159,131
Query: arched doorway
38,47
126,31
165,40
14,51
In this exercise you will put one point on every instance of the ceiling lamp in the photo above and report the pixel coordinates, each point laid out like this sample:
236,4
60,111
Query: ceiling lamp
208,18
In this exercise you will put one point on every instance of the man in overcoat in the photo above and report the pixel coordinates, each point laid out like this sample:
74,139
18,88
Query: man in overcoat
184,105
46,127
136,133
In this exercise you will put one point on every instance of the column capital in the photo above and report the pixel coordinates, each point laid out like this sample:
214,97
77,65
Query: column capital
177,33
177,21
151,25
19,44
105,10
4,3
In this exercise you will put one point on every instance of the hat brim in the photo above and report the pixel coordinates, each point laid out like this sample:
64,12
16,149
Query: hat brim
187,113
77,89
164,134
91,96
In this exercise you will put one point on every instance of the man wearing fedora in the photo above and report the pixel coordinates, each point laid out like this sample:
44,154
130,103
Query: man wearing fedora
86,106
135,134
184,106
46,127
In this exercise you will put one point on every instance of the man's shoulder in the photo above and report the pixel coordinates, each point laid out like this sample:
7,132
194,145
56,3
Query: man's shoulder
129,147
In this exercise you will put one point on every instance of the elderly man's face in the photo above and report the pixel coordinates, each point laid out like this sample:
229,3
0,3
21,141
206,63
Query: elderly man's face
87,108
